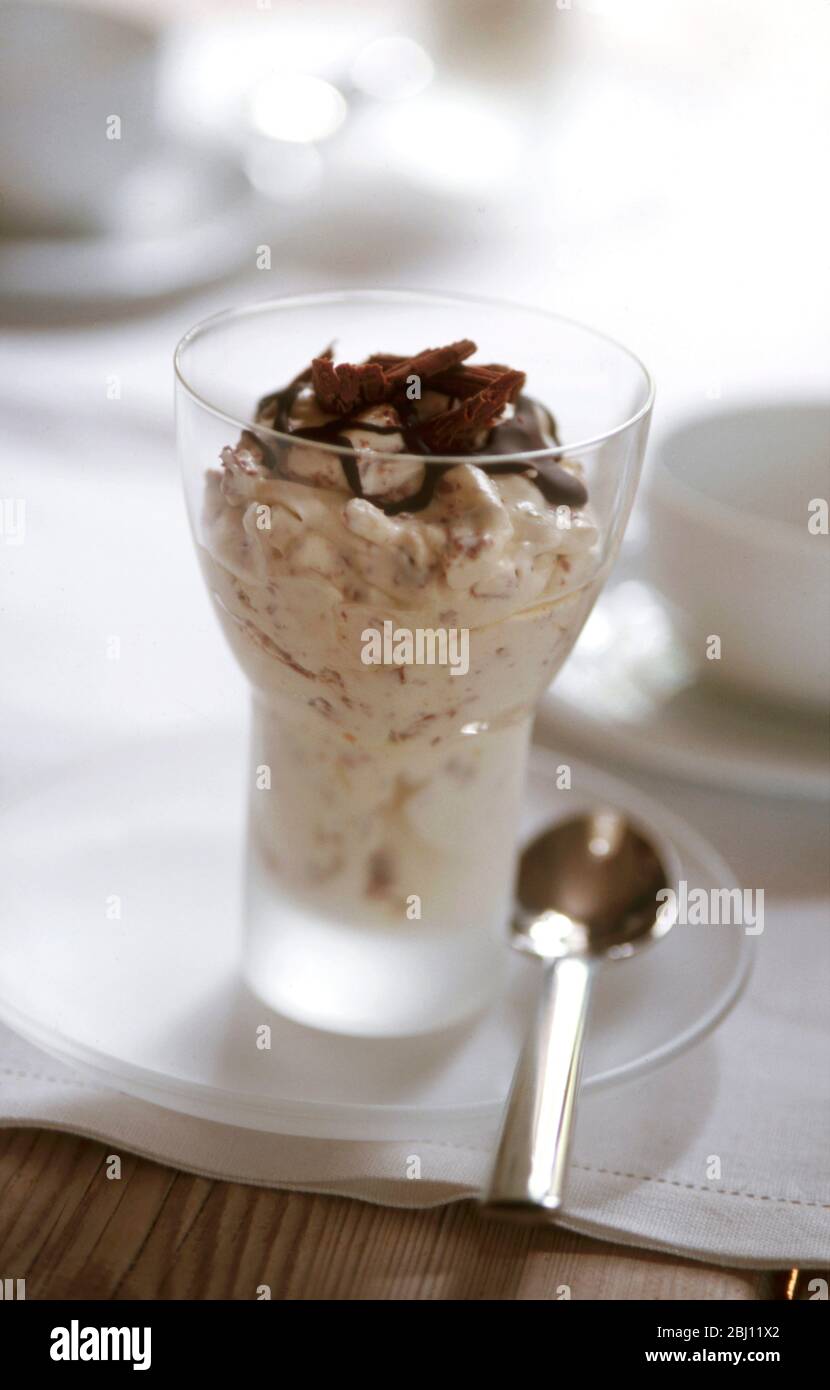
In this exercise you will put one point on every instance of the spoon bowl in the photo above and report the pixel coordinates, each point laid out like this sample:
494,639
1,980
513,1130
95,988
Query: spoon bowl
589,886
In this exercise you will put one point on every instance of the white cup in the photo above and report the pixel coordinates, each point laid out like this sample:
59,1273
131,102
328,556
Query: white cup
737,547
77,96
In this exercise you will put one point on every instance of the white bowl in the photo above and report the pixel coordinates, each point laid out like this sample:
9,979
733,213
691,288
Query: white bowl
729,500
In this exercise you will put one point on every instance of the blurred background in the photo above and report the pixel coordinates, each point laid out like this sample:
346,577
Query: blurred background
658,171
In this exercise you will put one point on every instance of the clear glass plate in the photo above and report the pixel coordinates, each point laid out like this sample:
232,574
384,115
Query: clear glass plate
149,1002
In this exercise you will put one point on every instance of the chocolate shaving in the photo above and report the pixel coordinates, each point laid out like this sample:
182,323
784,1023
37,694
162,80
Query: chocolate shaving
386,359
344,389
459,381
455,430
427,364
466,381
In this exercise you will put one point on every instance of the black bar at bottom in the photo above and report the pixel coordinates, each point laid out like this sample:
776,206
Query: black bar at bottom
226,1339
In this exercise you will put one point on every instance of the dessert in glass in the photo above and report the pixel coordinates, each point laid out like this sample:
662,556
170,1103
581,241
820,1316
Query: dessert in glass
404,506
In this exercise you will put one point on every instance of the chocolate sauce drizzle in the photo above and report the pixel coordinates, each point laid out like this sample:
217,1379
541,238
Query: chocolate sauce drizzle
521,434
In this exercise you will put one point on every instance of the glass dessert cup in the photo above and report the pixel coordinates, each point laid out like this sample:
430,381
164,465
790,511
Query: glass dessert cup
396,653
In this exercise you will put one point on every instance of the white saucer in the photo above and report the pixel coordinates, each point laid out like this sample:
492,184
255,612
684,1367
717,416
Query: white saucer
182,218
150,1004
628,693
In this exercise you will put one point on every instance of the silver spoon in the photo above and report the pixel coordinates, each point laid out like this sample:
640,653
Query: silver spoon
586,892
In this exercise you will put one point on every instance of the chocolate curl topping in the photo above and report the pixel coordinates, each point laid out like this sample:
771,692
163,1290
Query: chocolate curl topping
467,380
387,359
473,426
455,430
427,364
345,389
342,390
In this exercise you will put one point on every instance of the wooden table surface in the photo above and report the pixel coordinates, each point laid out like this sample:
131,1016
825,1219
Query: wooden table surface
72,1232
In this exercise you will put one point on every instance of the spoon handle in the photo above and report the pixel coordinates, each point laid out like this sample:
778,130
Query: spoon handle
532,1158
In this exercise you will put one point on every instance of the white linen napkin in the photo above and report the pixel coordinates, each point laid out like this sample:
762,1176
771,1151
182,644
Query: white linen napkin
749,1103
